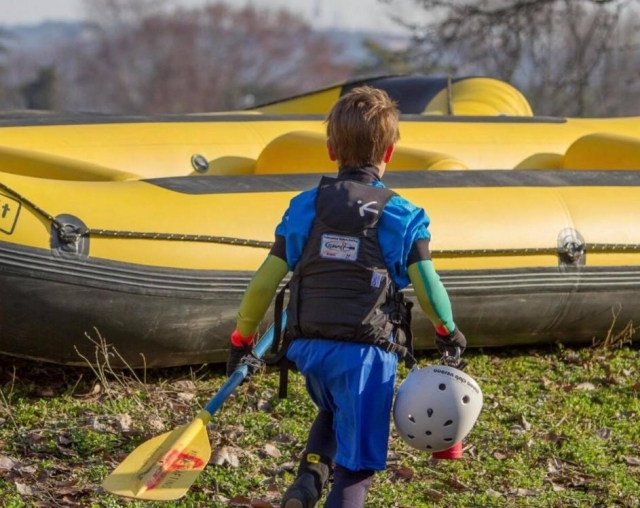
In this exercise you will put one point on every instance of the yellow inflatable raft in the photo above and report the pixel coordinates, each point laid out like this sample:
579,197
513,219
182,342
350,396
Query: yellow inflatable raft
473,123
147,231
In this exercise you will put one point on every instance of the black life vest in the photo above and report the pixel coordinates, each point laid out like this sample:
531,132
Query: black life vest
340,288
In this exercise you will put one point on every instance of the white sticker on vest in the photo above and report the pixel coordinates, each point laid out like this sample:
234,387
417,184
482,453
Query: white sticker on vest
376,279
339,247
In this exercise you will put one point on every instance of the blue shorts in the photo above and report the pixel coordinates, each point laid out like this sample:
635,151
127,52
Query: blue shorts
356,383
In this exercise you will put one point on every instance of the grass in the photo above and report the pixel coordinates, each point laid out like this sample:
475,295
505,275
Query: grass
560,427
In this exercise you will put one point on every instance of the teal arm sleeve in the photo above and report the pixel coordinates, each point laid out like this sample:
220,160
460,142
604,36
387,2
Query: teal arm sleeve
259,293
431,294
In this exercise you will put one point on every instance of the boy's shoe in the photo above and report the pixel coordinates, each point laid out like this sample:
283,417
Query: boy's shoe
302,493
305,491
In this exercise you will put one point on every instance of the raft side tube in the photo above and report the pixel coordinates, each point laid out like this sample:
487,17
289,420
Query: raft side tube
542,161
306,152
479,97
603,151
55,167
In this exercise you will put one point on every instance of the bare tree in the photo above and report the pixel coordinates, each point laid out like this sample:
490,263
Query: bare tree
40,93
556,51
6,92
118,12
144,57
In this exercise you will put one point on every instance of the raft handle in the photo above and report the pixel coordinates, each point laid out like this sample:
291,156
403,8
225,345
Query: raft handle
571,248
70,233
199,163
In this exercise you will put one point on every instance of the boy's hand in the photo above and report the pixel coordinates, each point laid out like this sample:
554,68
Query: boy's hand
243,355
236,354
447,344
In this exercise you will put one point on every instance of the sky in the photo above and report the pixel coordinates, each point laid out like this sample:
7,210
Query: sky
367,15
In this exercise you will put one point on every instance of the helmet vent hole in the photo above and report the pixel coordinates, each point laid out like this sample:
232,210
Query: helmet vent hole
442,387
448,423
465,399
428,433
429,412
411,419
428,447
410,436
448,439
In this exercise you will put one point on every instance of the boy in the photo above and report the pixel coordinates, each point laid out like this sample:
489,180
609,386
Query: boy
352,245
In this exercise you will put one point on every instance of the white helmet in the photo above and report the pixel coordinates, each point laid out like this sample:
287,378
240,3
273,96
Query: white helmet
436,407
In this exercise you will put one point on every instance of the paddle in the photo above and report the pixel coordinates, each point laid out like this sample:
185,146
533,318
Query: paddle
165,467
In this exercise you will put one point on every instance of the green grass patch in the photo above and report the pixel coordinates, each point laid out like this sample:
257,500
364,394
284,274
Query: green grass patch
560,427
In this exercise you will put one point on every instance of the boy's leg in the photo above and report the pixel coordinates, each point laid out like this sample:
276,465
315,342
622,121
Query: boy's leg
349,488
315,466
337,373
322,439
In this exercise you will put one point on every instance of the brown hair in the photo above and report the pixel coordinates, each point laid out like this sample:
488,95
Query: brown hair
361,126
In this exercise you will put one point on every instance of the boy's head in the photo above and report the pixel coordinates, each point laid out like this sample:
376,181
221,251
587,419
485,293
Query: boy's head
362,128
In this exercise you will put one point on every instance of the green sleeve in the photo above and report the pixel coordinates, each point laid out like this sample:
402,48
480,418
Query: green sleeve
431,294
259,293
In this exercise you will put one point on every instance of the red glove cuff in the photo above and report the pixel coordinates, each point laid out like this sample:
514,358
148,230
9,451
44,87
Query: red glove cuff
239,340
442,330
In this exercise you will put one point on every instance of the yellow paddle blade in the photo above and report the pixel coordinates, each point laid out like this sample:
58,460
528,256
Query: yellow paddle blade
165,467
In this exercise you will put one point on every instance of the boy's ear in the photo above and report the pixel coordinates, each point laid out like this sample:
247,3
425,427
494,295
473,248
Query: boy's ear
388,154
332,154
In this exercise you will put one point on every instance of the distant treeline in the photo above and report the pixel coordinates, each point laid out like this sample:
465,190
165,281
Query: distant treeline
568,58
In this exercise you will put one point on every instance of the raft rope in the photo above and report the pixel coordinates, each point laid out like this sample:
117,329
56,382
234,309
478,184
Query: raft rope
70,233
